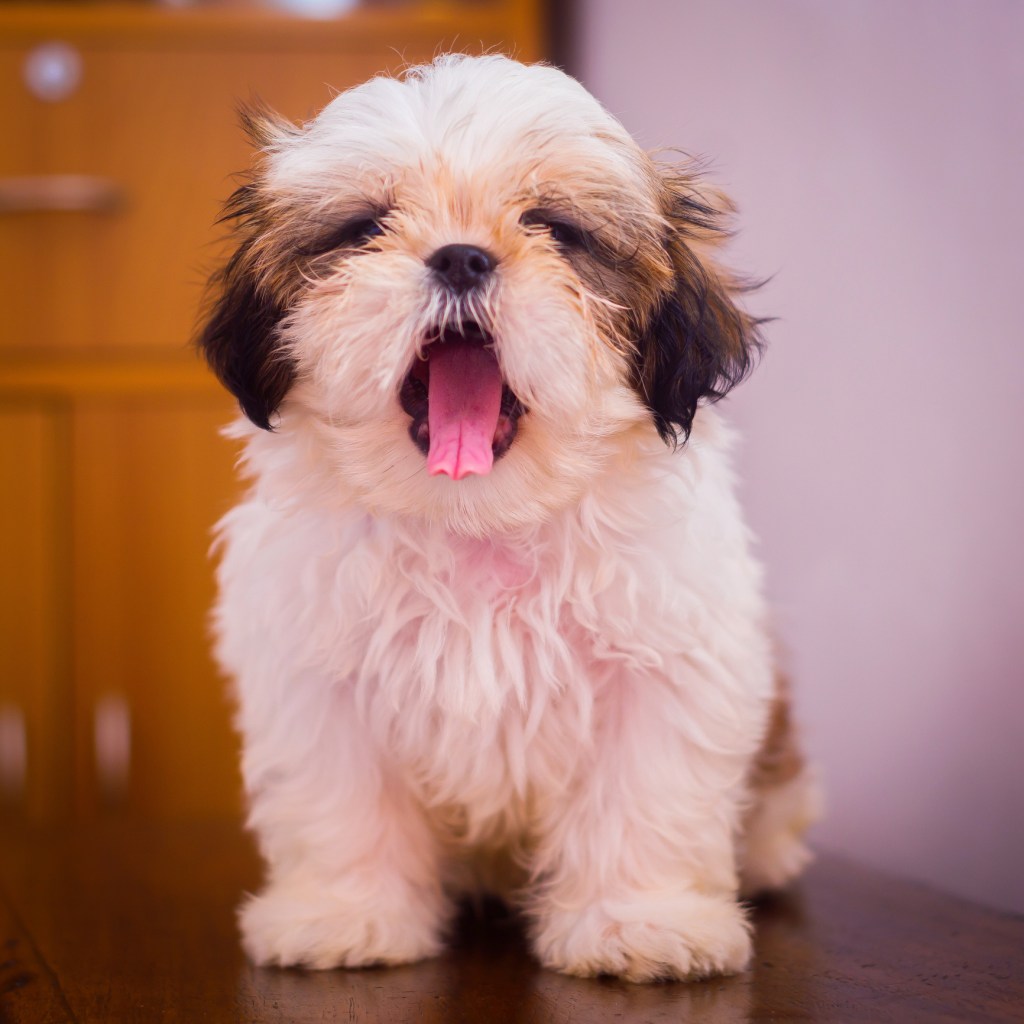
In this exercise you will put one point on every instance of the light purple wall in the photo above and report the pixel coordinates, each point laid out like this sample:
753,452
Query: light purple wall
876,150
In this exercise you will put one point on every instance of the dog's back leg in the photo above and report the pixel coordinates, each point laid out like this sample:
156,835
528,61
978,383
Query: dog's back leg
786,800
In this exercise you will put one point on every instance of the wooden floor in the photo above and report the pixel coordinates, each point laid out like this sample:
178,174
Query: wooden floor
136,924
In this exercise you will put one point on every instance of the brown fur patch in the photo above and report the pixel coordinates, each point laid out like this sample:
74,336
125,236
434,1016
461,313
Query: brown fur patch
780,757
698,342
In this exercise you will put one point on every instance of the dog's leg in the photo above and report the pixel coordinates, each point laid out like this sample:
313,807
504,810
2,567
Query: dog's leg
785,802
353,875
635,861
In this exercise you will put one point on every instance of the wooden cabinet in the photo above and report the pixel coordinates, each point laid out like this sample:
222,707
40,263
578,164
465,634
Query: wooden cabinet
111,468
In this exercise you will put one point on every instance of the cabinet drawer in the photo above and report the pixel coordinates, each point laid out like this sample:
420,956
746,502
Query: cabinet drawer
109,193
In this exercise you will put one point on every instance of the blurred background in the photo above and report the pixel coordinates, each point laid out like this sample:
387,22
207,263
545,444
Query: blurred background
875,150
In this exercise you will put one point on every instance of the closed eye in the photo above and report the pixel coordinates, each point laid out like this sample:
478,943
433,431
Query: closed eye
352,234
363,230
563,234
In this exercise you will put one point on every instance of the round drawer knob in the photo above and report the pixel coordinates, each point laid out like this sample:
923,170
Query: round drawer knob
53,71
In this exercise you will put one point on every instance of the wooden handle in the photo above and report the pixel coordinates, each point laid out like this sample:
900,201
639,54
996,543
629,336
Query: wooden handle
13,753
80,193
112,737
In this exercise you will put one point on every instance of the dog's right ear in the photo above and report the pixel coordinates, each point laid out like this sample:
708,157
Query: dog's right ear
240,336
240,339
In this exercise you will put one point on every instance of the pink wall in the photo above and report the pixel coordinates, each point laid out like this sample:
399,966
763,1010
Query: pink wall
877,153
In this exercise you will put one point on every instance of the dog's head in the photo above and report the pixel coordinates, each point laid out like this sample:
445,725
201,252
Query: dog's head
474,290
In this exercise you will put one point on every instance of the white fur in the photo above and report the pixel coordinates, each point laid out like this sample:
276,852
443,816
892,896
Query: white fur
590,692
773,849
563,665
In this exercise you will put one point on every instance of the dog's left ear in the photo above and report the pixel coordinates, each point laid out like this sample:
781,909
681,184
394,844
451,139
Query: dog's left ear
697,344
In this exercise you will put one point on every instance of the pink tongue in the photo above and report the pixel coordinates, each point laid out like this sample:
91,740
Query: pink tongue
465,401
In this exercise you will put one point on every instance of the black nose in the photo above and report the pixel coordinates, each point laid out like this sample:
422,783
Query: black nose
462,267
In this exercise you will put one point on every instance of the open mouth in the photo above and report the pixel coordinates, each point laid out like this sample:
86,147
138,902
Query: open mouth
464,415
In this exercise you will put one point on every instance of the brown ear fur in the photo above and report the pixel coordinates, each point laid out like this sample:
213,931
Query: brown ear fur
699,343
239,338
265,127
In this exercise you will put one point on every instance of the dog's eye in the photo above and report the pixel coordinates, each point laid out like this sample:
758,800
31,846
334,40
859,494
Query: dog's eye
353,233
363,230
566,235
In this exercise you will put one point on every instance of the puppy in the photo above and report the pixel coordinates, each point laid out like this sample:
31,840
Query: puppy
489,604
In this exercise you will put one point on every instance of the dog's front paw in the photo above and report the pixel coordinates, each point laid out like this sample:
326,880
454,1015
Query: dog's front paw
682,936
310,927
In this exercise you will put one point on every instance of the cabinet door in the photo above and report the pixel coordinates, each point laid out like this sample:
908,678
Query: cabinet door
149,480
35,691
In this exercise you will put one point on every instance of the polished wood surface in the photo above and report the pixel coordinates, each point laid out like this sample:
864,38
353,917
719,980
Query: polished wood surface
136,924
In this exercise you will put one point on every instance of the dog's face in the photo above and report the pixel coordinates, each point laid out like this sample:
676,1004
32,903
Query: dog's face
473,291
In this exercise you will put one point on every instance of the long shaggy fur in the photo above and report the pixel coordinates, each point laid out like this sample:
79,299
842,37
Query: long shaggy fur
552,680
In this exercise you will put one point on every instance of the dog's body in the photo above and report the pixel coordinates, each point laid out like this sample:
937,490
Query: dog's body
536,662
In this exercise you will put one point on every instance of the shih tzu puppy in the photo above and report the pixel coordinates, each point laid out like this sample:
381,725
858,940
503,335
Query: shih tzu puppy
489,604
